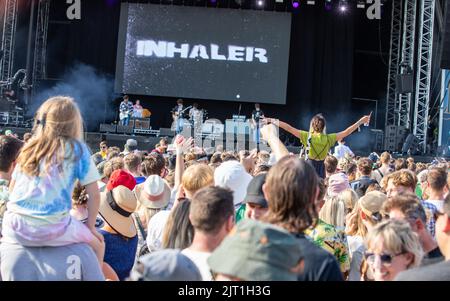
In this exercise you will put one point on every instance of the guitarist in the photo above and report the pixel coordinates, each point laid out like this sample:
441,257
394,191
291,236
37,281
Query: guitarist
177,115
126,110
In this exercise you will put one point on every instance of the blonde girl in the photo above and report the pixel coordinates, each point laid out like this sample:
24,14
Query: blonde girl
44,178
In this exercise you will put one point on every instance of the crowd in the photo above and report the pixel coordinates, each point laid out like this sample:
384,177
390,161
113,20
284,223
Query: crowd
184,213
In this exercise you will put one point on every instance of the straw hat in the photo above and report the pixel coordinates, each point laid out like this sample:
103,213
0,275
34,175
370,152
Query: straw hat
116,208
154,193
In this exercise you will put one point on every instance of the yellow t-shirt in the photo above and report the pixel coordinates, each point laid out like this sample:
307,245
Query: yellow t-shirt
320,144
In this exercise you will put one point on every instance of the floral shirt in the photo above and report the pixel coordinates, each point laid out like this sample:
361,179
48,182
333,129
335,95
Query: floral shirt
332,240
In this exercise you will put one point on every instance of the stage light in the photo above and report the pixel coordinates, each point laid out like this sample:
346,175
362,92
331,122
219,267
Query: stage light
311,2
260,3
361,4
295,4
343,6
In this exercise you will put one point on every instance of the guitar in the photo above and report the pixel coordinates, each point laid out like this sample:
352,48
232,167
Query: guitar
175,115
124,114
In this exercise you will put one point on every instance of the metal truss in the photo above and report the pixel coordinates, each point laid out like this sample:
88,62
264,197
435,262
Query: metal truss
8,39
407,60
40,45
424,66
394,62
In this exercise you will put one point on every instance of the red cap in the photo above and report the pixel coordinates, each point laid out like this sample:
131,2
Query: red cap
121,177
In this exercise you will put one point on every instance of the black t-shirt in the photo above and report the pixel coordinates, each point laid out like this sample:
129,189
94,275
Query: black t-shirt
261,114
319,264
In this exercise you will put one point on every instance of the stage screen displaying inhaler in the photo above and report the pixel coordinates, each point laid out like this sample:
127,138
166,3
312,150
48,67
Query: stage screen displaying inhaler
204,53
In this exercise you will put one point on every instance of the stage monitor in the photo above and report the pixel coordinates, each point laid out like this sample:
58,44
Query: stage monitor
203,53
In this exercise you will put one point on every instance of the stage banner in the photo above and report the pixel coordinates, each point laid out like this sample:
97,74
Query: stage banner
203,53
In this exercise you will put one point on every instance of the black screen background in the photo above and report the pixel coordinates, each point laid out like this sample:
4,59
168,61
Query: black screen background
199,78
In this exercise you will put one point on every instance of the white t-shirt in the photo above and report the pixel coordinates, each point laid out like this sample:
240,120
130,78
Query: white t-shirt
356,251
341,150
200,260
155,230
438,203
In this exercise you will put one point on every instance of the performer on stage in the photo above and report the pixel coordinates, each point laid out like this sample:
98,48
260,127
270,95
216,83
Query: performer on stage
316,141
196,115
177,115
126,110
257,117
137,109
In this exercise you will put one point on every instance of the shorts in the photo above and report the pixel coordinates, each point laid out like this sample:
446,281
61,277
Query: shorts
16,231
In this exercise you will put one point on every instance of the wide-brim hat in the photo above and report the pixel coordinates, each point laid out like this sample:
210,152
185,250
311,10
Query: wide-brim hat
143,199
116,208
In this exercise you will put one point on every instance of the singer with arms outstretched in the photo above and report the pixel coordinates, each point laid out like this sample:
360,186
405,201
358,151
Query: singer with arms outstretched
316,141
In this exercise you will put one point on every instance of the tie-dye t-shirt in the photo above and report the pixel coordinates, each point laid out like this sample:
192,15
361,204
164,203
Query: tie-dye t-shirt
41,204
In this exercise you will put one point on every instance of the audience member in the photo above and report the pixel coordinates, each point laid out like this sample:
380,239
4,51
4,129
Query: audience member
408,207
165,265
212,215
9,151
291,190
392,247
438,271
255,251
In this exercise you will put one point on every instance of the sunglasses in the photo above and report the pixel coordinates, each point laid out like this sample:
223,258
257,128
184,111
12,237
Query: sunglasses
386,259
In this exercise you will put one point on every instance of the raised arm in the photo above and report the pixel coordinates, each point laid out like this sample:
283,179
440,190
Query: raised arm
181,146
269,133
283,125
352,128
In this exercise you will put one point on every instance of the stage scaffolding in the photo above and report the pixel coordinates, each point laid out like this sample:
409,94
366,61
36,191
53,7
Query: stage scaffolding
394,62
405,16
40,45
424,66
9,18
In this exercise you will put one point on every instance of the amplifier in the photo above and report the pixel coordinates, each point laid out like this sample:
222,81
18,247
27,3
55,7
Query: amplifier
142,123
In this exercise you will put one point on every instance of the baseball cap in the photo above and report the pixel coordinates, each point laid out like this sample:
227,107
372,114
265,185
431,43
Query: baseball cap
371,204
255,193
130,146
256,251
121,177
165,265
